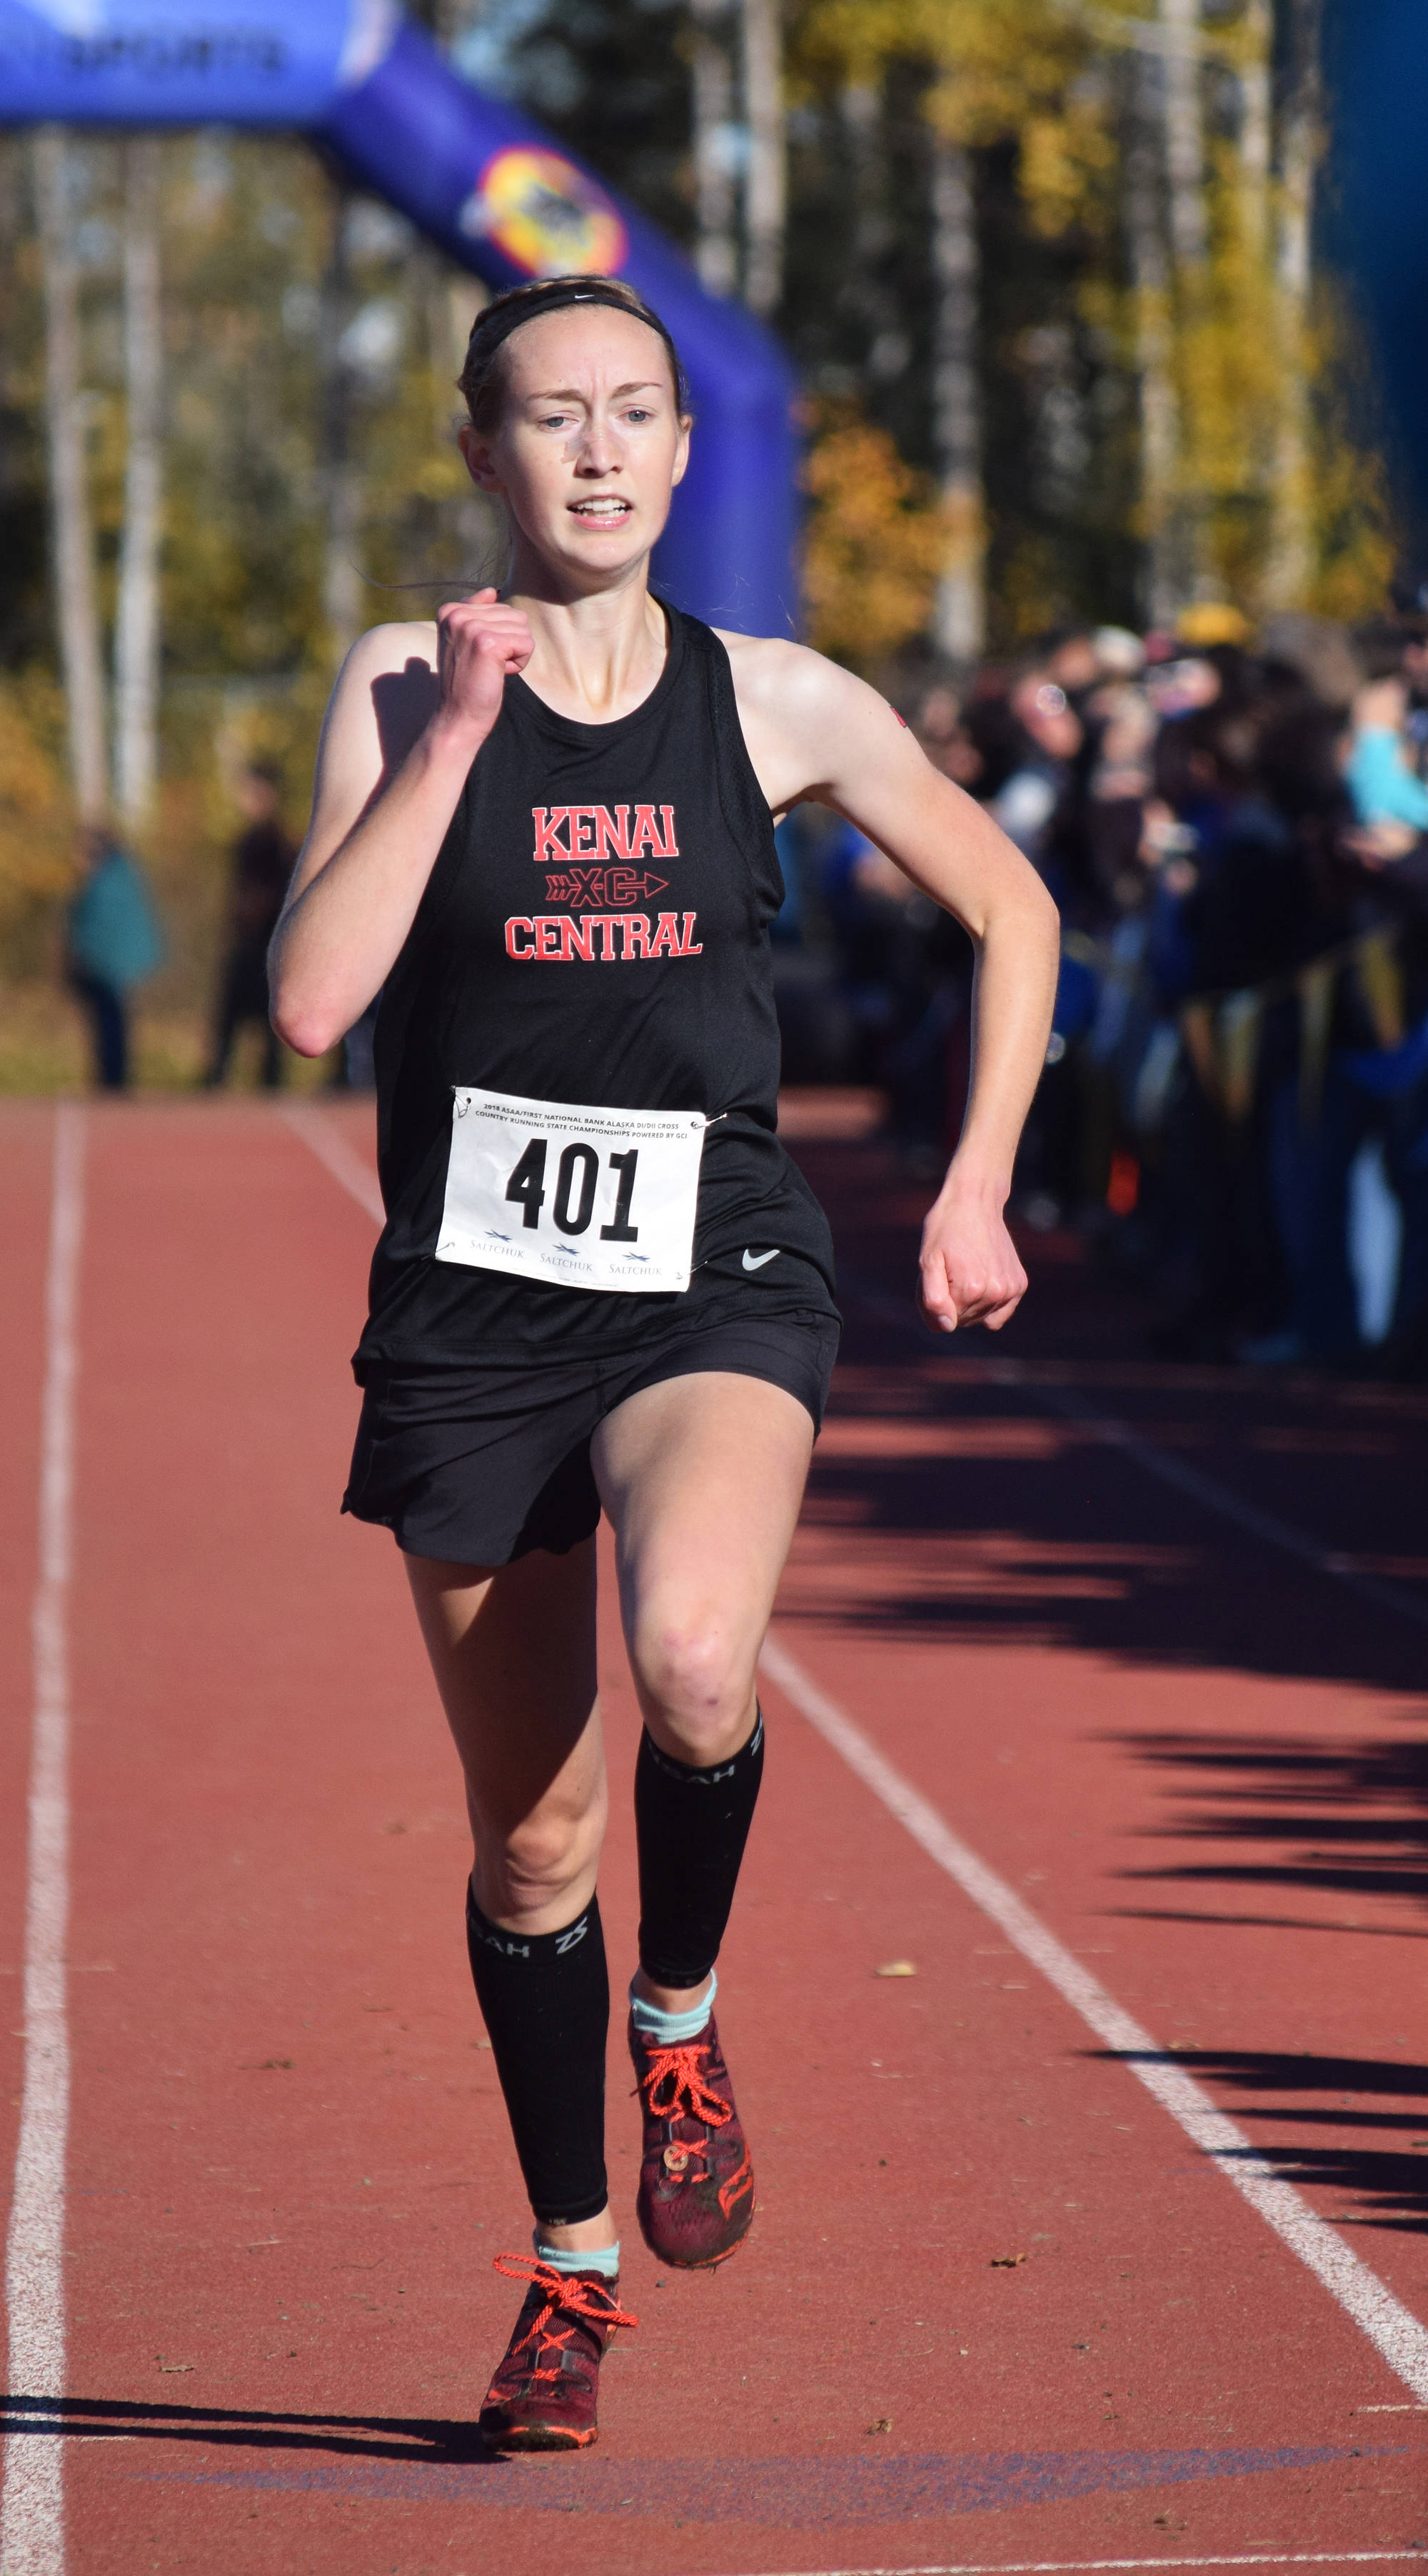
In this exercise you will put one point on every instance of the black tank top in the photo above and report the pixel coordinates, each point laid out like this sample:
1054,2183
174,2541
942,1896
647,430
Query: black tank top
595,930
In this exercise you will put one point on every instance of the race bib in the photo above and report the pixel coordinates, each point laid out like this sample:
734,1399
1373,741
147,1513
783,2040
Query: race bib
592,1198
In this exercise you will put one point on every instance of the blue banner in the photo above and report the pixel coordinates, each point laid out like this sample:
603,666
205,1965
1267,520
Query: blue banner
185,62
484,181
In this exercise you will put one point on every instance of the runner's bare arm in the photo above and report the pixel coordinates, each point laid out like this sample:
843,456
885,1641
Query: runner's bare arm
412,706
815,732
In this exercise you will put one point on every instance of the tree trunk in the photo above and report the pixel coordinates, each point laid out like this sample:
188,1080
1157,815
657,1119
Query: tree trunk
1184,132
72,541
959,617
1159,403
136,623
1184,145
1299,147
766,170
1291,565
1255,141
342,587
860,109
715,256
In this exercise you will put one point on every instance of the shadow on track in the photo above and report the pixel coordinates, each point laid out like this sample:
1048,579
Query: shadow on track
1075,1547
412,2438
1028,1529
1348,1819
786,2492
1390,2187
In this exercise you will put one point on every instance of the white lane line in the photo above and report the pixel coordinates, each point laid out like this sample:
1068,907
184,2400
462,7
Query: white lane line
32,2511
1086,2566
330,1146
1395,2333
1163,1464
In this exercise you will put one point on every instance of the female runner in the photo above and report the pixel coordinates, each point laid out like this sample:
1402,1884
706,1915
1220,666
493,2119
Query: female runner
543,828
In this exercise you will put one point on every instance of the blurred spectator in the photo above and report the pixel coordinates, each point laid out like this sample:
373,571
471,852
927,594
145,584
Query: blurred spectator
1119,782
1040,735
1073,663
1415,672
1382,781
1210,622
112,942
936,718
1234,1109
262,863
1318,654
1119,654
903,977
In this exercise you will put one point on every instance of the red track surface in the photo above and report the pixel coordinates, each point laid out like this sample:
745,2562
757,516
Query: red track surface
1200,1763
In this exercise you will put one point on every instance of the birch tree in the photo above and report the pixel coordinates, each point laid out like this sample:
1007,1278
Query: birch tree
72,535
1154,344
1184,136
1256,142
960,614
341,476
1291,561
136,621
997,70
859,113
714,137
1189,227
766,162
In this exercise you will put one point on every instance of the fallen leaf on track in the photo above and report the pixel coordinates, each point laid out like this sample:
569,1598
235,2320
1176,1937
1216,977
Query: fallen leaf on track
883,2425
1006,2262
896,1968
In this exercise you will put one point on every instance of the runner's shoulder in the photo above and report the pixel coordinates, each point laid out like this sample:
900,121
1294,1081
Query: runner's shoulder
385,693
392,647
790,687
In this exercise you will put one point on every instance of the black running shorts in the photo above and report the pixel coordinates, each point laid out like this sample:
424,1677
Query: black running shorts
478,1462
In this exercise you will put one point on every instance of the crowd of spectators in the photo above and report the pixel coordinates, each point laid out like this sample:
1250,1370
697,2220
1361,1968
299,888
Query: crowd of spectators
1234,1111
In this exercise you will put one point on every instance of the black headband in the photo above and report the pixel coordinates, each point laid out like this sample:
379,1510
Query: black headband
527,303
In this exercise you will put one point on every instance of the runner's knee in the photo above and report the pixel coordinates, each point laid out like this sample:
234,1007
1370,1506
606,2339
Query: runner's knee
541,1867
695,1683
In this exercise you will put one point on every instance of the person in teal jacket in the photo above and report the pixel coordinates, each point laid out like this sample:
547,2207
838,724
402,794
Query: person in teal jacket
1381,780
113,940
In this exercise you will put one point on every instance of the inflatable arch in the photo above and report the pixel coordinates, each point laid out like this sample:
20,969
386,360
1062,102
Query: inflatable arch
482,181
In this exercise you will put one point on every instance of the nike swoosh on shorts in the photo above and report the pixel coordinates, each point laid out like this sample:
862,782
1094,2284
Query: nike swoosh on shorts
756,1260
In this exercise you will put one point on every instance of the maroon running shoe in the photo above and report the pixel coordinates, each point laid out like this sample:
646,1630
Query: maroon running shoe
696,2196
543,2395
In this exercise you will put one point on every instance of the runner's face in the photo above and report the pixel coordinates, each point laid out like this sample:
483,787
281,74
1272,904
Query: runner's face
589,445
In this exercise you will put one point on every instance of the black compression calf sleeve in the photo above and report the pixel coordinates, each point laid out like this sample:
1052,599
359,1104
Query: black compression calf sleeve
691,1827
546,2001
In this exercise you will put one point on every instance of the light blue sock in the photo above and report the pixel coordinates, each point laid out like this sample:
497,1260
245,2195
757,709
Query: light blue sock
604,2259
670,2029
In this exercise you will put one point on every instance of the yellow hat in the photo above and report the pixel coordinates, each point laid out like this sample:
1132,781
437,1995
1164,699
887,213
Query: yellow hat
1212,621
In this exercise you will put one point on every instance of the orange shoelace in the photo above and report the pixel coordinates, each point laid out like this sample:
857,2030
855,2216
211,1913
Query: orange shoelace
584,2301
674,2088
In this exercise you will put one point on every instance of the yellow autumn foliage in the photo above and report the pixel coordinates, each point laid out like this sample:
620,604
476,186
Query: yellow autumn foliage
36,817
1236,351
1355,543
1051,76
875,542
996,68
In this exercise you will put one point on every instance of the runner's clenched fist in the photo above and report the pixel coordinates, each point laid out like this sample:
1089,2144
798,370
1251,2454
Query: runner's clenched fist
480,642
